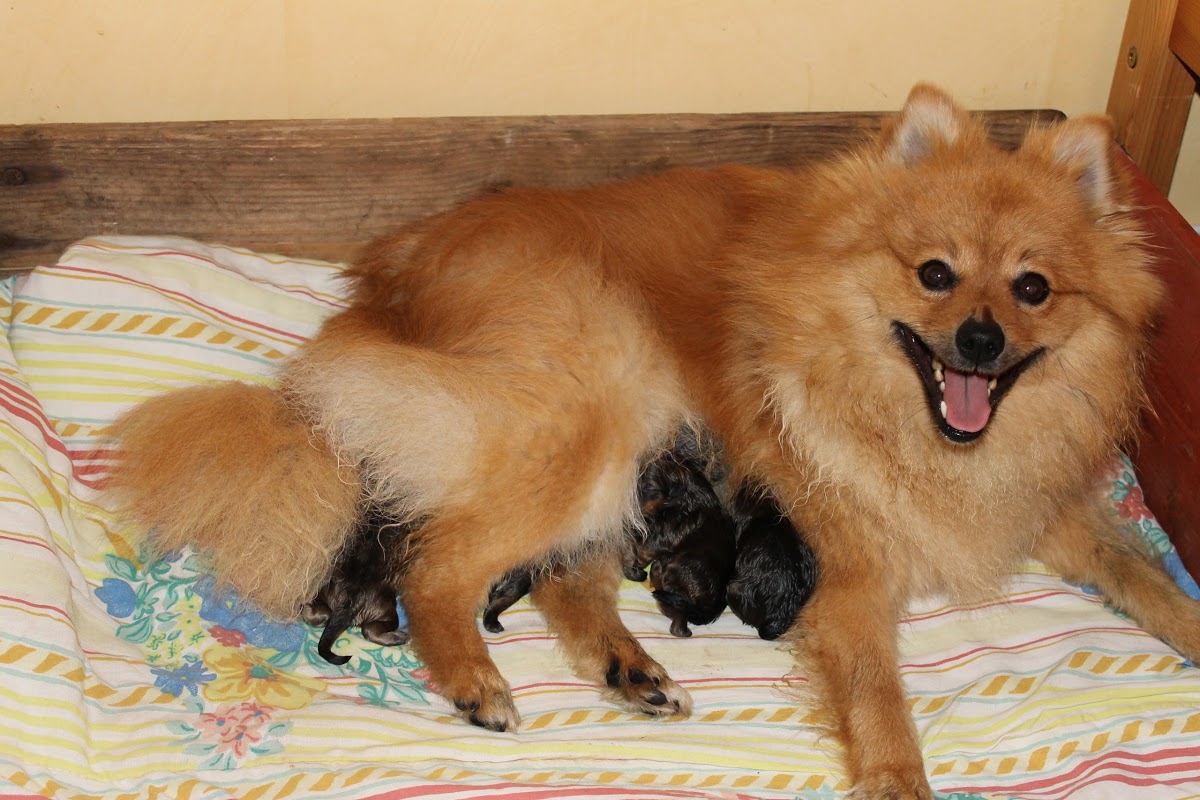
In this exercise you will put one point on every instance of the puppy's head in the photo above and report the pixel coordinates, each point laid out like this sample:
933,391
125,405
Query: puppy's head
690,587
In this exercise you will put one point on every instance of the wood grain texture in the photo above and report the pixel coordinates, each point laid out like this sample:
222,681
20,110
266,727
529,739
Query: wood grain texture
1185,34
1168,452
1151,93
321,188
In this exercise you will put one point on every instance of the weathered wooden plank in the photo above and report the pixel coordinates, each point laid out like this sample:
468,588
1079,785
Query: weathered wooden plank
321,188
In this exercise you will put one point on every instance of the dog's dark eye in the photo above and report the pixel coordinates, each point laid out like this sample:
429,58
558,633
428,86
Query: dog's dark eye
936,275
1031,288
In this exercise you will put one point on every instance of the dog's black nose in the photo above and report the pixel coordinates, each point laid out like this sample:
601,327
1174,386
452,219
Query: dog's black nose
979,341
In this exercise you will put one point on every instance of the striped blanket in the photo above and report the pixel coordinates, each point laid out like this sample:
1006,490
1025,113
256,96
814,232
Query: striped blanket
130,678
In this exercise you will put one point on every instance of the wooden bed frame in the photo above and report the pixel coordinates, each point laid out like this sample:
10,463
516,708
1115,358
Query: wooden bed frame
322,188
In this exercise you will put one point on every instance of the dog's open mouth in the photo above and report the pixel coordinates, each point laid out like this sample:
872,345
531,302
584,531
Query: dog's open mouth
961,403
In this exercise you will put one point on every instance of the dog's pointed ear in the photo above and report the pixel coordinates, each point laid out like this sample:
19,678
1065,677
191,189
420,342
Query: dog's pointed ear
929,121
1084,148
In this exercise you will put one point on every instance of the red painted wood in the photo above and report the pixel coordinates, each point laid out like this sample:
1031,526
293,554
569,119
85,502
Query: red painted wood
1167,456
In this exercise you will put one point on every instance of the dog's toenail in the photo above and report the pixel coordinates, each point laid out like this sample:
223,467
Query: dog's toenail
493,725
635,675
463,705
657,699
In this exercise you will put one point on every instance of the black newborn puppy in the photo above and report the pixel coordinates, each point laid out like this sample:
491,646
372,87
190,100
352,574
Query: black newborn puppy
515,584
685,533
775,571
359,591
688,541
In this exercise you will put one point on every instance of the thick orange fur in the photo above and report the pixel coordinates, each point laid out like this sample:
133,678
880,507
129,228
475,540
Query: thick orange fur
196,465
504,367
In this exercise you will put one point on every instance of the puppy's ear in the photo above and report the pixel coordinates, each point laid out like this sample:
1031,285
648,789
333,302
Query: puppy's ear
929,121
1084,148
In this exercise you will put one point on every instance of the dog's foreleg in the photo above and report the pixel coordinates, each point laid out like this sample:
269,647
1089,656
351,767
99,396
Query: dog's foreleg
1086,546
847,636
579,601
445,581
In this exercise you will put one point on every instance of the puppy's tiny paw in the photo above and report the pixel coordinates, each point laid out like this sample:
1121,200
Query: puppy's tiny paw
315,613
646,689
393,637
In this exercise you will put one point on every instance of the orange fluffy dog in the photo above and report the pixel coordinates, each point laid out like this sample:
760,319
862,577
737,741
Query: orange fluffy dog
926,349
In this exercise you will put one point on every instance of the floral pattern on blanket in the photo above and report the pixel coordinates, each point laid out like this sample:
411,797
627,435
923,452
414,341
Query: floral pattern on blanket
235,667
1131,508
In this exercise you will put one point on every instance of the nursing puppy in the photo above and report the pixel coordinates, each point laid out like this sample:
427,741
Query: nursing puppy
775,571
687,540
359,592
925,350
685,532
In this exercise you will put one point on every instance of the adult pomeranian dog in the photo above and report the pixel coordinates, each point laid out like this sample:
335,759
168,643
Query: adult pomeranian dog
925,350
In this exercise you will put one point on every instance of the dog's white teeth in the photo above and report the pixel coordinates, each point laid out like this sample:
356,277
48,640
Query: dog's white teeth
942,386
991,385
942,408
939,376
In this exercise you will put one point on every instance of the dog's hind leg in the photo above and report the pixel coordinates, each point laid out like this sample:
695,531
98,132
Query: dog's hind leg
1086,546
579,600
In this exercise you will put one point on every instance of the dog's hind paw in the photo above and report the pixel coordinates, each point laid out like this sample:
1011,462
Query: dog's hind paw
646,689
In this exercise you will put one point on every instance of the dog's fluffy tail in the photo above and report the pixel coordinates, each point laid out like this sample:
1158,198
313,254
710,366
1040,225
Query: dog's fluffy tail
233,471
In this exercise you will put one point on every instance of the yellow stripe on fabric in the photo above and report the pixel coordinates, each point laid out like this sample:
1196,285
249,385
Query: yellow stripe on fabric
134,322
48,663
15,653
91,352
70,320
36,318
192,331
257,792
265,303
323,783
780,781
103,321
288,788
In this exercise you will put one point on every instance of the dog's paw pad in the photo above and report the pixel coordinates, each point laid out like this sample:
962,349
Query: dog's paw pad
647,690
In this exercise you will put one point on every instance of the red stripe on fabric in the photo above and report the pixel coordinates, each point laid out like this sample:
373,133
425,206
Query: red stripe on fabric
982,606
25,405
39,420
523,791
290,288
1143,764
30,604
33,542
1016,647
173,293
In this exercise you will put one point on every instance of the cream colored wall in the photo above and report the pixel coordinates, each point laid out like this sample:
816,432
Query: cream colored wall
118,60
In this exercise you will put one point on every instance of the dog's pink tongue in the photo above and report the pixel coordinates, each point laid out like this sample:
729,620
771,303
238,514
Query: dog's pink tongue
966,396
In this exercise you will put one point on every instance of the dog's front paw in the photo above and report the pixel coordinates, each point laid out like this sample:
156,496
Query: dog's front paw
488,706
892,784
647,689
